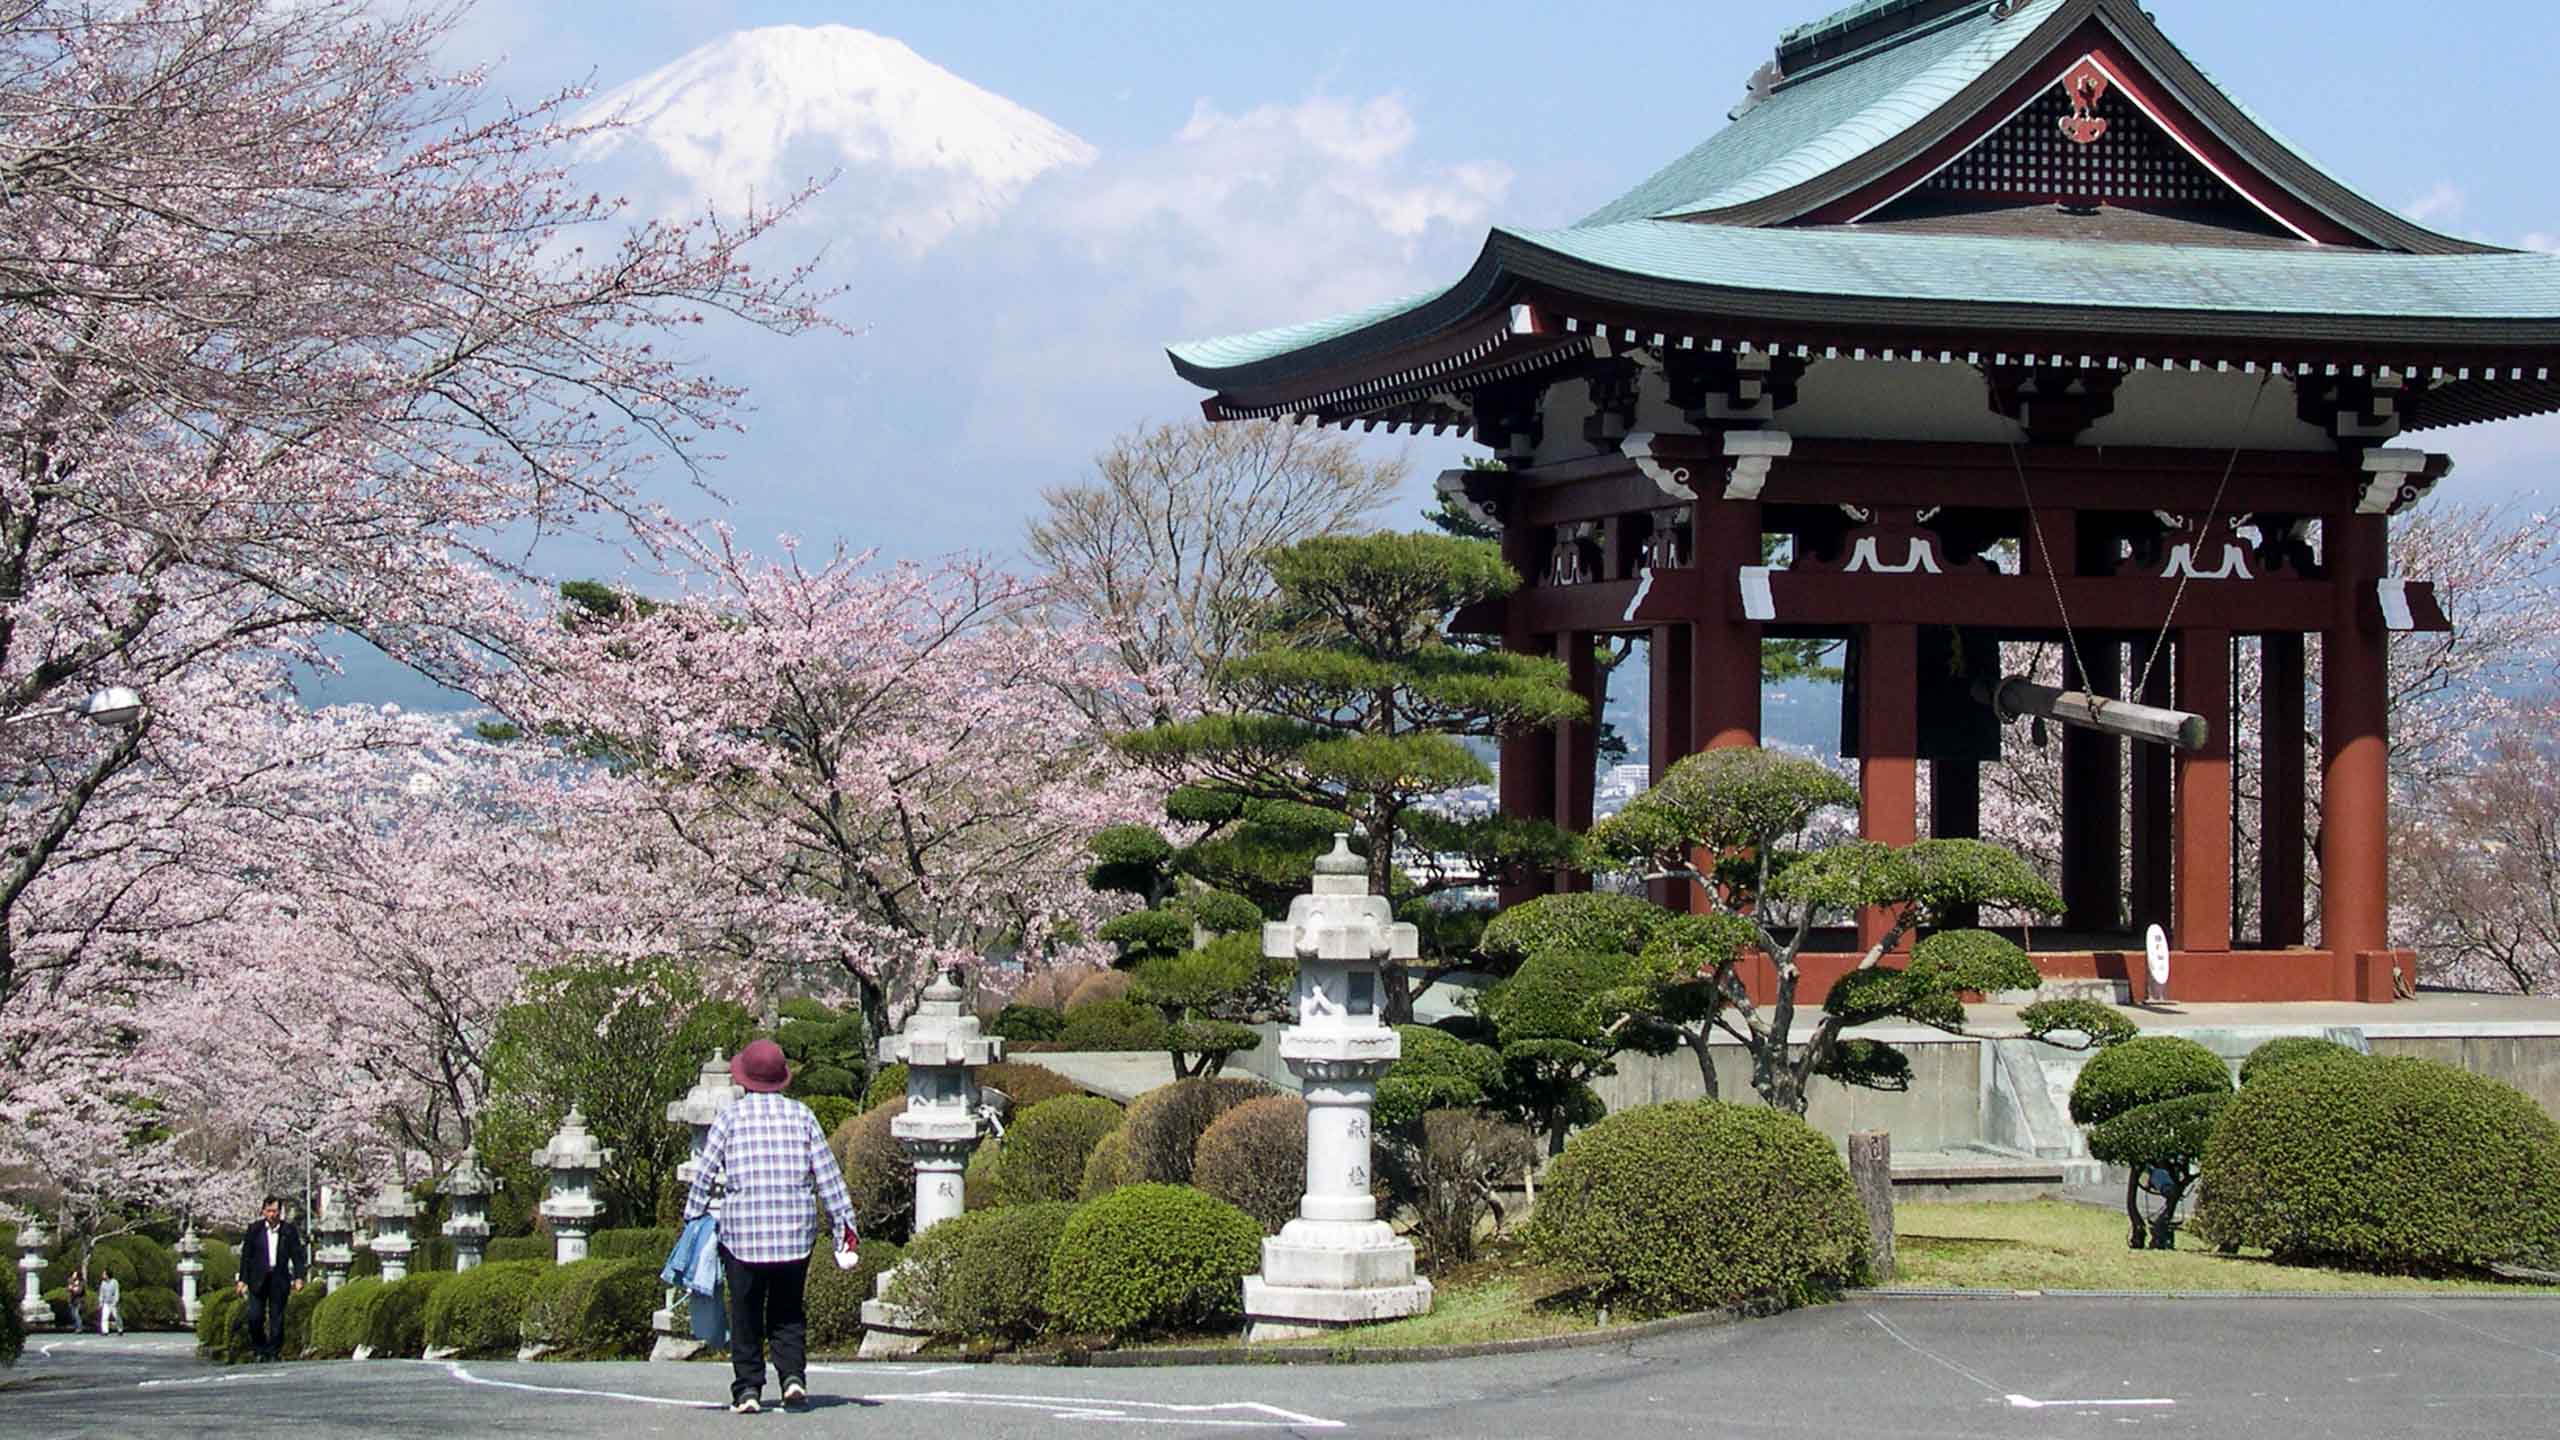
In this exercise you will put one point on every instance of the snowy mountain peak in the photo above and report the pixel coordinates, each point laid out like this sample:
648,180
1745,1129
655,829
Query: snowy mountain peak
752,115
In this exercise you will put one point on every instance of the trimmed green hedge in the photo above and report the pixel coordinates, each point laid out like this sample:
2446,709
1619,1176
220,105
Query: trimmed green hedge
964,1277
879,1175
297,1321
2144,1070
149,1307
652,1243
2287,1050
2167,1133
222,1327
2387,1164
1254,1157
516,1249
1112,1025
596,1309
479,1313
1696,1204
397,1327
13,1330
338,1326
835,1297
1165,1125
1046,1148
888,1084
1152,1259
1436,1071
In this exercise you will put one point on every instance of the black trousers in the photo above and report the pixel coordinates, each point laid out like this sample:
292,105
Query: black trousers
266,1315
767,1306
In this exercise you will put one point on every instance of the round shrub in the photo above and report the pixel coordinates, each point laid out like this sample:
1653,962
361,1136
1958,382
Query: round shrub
297,1321
135,1261
1046,1148
148,1307
888,1084
2170,1134
652,1243
1025,1084
479,1313
1152,1259
1436,1071
1107,1168
338,1326
1097,988
830,1110
1113,1025
221,1267
222,1328
397,1328
1697,1204
2141,1071
2386,1164
979,1181
1027,1022
1254,1157
513,1249
877,1171
593,1310
1165,1125
834,1297
963,1277
2287,1050
817,1080
13,1329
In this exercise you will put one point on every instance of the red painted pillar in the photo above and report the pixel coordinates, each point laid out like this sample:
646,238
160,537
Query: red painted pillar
1527,773
2202,912
1668,659
1888,748
2355,807
2151,793
1724,670
2093,801
1577,750
2281,856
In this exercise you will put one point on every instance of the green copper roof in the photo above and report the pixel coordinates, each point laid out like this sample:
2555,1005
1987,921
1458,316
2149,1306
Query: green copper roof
1831,114
1220,353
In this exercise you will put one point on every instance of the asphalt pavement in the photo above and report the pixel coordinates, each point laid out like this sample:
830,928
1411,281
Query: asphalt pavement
2337,1369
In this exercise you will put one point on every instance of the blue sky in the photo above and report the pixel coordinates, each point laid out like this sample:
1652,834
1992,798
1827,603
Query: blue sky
1257,165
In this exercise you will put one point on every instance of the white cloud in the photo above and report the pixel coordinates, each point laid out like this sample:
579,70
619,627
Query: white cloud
2442,205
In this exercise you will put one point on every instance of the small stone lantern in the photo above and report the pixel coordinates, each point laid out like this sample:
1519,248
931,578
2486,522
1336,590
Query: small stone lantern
713,1091
31,1243
190,1266
943,1050
392,1210
332,1239
573,1157
1337,1264
469,1188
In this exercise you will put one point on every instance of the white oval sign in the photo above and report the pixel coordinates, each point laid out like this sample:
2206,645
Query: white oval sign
2156,943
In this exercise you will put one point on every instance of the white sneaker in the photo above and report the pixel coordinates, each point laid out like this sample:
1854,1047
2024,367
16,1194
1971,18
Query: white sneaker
795,1393
747,1406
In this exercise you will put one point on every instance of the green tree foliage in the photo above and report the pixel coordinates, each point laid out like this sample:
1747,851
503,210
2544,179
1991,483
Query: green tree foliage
828,1047
2286,1050
2151,1103
1766,894
1434,1071
1195,953
1696,1204
2390,1164
1558,1021
1354,702
1046,1147
617,1042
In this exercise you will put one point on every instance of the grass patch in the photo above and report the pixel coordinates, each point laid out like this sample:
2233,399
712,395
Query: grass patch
2055,1245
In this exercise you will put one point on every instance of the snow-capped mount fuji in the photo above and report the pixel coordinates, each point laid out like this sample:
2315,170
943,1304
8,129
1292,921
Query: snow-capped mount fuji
753,115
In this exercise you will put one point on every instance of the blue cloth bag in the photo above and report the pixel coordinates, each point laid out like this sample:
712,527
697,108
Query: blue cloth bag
695,1265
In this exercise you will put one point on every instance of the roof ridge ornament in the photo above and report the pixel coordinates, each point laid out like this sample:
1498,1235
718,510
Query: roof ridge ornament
2084,85
1764,82
2005,9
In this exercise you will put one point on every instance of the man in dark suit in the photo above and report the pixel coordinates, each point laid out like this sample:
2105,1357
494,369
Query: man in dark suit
271,1266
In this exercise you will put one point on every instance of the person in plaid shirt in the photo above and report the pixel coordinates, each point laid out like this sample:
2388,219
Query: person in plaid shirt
766,1156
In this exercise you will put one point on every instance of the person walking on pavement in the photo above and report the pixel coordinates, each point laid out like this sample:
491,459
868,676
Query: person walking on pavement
78,1289
768,1157
110,1304
271,1265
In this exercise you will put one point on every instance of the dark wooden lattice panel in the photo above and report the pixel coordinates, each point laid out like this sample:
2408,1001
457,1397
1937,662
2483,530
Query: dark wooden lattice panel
2133,165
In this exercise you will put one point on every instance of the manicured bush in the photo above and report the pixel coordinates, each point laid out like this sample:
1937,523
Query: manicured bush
221,1267
397,1328
593,1310
640,1242
1254,1157
1027,1022
964,1277
1165,1125
1097,988
513,1249
2141,1071
1107,1168
980,1179
2097,1022
835,1296
338,1326
1113,1025
877,1172
830,1110
135,1260
1026,1085
222,1328
58,1300
297,1321
1436,1071
1046,1147
149,1307
1696,1204
888,1086
2385,1164
2287,1050
13,1329
1152,1259
1448,1173
480,1312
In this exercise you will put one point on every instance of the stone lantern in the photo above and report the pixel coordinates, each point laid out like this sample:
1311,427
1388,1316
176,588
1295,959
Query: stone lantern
713,1091
190,1267
469,1188
31,1243
332,1239
1337,1264
573,1157
391,1212
943,1050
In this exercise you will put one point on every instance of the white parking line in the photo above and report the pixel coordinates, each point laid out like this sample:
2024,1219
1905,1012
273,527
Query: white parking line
1228,1414
2021,1402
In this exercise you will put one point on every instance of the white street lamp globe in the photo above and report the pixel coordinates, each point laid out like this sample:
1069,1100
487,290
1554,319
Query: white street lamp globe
112,706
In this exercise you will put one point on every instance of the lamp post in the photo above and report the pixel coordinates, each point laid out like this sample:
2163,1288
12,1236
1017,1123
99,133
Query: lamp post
573,1157
190,1266
113,707
469,1187
1337,1264
943,1049
713,1091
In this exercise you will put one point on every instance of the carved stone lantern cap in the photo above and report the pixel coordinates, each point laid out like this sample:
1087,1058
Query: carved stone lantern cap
1339,921
392,1202
713,1091
468,1178
189,1243
572,1147
942,1031
33,1237
333,1218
